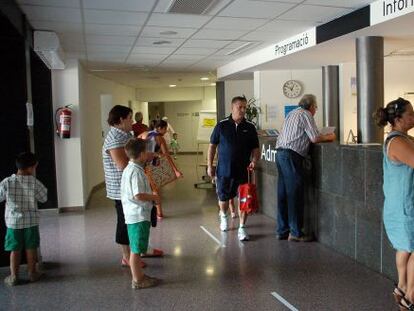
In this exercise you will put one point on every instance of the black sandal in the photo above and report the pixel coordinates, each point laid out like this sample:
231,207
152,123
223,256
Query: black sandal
408,305
398,294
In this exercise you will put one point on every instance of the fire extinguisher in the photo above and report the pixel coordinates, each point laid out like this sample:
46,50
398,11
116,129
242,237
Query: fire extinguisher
63,118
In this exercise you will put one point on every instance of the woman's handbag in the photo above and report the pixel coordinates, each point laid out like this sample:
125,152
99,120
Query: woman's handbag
153,216
248,194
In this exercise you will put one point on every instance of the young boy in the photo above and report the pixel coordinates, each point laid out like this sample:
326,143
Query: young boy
137,201
22,191
174,145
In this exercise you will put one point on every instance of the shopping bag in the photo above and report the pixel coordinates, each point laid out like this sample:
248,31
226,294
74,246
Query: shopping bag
248,194
160,173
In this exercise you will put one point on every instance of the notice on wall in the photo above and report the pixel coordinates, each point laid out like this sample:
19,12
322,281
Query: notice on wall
206,123
384,10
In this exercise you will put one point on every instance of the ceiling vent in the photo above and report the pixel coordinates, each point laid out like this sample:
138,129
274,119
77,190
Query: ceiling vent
240,49
198,7
47,46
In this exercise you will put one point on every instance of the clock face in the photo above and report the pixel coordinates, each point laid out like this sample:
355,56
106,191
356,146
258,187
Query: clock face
292,88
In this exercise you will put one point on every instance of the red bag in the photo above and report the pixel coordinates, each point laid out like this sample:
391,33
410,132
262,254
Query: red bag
248,195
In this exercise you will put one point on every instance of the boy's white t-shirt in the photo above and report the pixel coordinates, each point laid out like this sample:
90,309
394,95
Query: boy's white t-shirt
133,182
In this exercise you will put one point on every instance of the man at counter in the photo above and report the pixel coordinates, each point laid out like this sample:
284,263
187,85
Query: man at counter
238,151
299,130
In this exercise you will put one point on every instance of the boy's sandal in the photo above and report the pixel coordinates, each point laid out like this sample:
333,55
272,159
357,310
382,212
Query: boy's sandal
398,294
125,263
155,253
405,304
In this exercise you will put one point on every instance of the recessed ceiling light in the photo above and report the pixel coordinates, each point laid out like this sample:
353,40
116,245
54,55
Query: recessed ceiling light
212,84
168,33
204,79
161,42
172,85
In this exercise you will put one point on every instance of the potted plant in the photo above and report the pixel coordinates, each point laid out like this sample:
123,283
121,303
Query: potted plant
252,111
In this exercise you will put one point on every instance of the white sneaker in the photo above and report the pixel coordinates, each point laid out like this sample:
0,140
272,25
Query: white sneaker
224,226
243,236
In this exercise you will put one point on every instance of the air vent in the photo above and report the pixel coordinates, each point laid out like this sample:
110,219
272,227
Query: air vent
198,7
241,48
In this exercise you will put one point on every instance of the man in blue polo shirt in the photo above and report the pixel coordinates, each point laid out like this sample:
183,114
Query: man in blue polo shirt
238,150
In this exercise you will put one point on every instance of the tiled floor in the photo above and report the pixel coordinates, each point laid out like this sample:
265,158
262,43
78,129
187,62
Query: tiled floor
83,271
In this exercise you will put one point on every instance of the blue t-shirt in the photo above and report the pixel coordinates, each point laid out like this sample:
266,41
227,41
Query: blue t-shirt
235,144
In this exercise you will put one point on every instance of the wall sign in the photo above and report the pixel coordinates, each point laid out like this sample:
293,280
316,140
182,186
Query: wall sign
296,43
384,10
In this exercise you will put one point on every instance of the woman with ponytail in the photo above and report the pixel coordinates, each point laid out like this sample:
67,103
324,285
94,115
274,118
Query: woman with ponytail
398,166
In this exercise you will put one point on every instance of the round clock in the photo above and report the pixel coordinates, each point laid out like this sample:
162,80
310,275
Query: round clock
292,88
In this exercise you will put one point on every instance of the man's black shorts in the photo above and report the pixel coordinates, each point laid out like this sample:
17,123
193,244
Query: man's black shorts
227,188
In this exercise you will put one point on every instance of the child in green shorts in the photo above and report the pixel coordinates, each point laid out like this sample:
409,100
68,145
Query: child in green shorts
137,201
22,191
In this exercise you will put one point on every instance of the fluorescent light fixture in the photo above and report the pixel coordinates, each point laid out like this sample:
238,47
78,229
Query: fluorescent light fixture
172,85
204,78
212,84
240,49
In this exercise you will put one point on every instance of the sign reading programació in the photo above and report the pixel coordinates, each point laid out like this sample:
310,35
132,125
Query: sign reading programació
384,10
296,43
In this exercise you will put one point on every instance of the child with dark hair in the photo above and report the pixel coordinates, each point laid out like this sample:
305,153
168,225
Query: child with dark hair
22,191
137,201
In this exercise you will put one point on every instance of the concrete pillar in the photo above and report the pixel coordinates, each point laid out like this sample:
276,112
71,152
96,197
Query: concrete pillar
330,89
220,100
370,87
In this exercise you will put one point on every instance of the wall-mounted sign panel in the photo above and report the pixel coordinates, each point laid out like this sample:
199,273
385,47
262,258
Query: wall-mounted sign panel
384,10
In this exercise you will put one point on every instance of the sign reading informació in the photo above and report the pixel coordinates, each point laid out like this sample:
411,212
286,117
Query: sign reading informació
384,10
296,43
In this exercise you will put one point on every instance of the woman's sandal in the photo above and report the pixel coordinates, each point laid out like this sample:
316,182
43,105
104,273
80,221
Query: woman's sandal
398,294
405,304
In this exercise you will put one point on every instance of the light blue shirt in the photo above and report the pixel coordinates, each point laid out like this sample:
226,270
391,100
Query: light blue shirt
133,182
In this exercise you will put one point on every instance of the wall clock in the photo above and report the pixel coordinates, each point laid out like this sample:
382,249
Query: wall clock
292,89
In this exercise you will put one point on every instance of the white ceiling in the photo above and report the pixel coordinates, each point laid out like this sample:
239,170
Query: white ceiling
119,35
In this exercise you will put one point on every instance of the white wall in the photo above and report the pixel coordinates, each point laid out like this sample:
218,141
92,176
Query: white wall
68,152
182,117
398,80
92,88
233,88
268,90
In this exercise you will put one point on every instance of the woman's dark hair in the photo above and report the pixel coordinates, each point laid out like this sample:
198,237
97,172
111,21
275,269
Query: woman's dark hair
25,160
391,112
159,124
118,112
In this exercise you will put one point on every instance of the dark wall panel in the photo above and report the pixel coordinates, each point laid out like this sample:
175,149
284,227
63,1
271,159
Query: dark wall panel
44,128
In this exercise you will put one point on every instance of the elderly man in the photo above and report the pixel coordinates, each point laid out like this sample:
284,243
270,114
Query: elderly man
299,131
238,150
139,127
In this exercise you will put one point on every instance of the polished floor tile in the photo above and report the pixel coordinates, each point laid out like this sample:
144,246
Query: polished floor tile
83,272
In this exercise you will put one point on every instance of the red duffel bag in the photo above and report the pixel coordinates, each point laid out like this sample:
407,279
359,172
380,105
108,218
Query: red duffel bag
248,195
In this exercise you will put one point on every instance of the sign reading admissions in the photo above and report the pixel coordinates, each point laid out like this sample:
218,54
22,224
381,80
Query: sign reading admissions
384,10
296,43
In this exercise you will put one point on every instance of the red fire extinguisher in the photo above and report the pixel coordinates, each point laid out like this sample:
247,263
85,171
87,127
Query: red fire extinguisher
63,118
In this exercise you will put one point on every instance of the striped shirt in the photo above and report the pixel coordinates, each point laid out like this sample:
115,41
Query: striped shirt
299,129
115,139
21,193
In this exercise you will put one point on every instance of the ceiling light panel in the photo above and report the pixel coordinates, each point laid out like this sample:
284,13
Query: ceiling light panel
219,34
177,20
232,23
114,30
206,44
56,3
120,5
110,40
255,9
150,41
315,13
115,17
154,31
153,50
195,51
52,14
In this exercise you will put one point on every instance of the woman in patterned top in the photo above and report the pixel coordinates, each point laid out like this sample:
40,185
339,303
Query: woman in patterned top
114,162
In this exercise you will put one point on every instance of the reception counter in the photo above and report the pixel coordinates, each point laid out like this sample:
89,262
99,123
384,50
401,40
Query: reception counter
343,200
